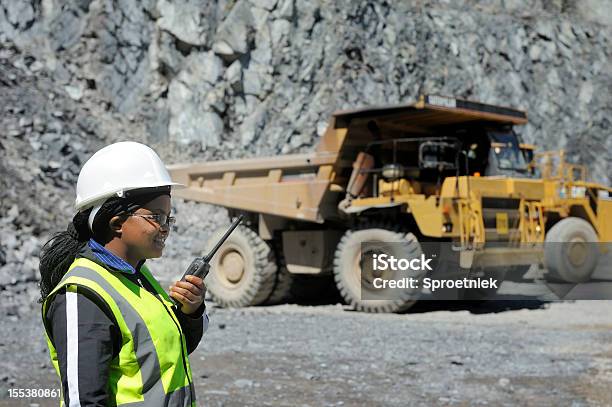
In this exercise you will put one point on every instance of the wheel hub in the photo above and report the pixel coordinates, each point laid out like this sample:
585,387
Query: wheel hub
363,269
231,265
577,252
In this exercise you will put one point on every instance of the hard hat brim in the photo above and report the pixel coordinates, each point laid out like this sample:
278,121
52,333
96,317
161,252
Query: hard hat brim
104,195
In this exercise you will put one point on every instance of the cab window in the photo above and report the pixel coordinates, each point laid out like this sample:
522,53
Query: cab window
505,146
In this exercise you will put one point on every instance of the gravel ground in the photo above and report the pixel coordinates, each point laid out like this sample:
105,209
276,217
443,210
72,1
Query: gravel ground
494,353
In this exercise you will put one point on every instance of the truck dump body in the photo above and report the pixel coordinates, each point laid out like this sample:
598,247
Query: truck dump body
292,186
422,117
433,111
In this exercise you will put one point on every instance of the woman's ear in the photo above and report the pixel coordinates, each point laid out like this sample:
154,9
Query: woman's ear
116,225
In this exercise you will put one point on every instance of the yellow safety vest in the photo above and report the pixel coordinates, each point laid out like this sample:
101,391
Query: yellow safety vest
152,368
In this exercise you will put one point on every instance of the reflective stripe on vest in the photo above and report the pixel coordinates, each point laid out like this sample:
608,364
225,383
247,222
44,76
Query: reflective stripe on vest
152,368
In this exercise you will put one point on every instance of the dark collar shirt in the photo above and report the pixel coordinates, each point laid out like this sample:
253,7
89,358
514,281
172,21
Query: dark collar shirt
110,259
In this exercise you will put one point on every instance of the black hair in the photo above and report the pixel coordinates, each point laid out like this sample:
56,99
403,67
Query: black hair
59,252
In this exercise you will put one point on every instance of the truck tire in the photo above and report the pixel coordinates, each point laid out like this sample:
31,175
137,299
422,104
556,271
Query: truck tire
281,290
350,281
243,271
571,251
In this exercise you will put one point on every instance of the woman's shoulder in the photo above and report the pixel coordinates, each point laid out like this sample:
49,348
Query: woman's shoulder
84,299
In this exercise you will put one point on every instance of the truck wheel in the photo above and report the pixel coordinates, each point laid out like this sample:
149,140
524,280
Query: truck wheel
354,284
281,291
243,271
570,251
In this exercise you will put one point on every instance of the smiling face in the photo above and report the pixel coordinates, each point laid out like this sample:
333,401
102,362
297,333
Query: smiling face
142,237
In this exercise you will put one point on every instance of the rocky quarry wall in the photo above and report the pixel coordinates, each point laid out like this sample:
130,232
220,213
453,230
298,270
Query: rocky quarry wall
202,80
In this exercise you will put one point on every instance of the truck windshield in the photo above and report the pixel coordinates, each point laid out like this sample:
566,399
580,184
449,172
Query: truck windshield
506,148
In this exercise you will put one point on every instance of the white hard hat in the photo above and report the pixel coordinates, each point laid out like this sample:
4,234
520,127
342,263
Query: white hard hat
118,168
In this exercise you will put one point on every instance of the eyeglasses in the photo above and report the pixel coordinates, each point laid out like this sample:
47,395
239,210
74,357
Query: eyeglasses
162,220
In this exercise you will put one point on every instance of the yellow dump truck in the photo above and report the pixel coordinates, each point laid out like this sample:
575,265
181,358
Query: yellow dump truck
438,170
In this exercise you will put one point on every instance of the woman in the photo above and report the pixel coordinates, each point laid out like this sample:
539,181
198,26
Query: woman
113,333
